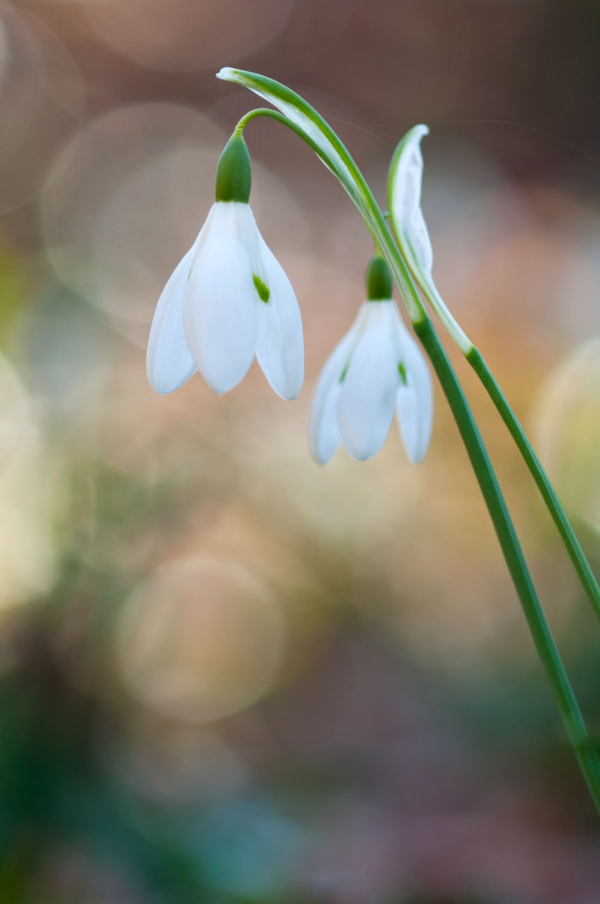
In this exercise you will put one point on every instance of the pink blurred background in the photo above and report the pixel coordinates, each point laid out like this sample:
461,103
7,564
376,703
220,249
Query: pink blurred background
226,674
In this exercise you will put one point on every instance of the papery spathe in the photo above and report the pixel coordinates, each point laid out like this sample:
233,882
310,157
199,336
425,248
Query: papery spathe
405,183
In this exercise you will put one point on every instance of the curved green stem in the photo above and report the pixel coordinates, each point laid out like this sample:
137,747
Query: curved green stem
555,672
549,495
284,120
538,473
359,191
307,123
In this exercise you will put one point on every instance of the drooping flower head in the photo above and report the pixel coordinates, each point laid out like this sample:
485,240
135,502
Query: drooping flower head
228,299
377,369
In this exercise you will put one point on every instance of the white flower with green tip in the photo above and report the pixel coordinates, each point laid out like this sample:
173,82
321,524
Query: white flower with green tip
377,369
228,300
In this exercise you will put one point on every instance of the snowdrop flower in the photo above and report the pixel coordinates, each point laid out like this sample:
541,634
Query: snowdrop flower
227,300
376,369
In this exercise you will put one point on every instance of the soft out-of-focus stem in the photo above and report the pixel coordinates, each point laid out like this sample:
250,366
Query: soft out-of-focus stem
544,484
513,554
542,480
410,231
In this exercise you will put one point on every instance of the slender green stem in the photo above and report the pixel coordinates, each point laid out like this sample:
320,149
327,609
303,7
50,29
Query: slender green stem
549,495
538,473
284,120
513,554
362,196
421,272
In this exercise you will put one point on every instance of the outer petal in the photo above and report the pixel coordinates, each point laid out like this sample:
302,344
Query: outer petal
168,361
280,345
414,404
219,312
246,231
370,387
323,431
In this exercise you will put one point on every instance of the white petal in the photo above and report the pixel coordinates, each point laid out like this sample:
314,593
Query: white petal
368,396
279,345
247,233
323,431
219,313
168,361
415,400
406,176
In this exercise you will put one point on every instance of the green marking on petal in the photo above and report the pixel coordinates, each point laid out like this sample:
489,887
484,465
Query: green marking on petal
402,372
263,291
344,372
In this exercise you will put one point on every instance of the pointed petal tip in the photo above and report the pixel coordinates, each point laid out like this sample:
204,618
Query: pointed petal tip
166,373
284,388
225,73
415,443
365,445
418,454
323,431
291,395
166,382
362,454
415,459
290,386
221,386
160,392
317,457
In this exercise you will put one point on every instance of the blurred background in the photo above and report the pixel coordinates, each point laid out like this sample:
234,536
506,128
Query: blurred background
228,675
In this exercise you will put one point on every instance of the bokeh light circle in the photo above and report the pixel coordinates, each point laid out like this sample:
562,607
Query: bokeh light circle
568,429
187,35
41,104
125,199
201,639
28,544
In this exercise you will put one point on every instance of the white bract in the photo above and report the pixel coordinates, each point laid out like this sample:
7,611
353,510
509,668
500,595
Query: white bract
406,177
226,301
377,369
409,227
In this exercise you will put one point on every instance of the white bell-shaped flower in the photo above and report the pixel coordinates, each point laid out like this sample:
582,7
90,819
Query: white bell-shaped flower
228,300
377,369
